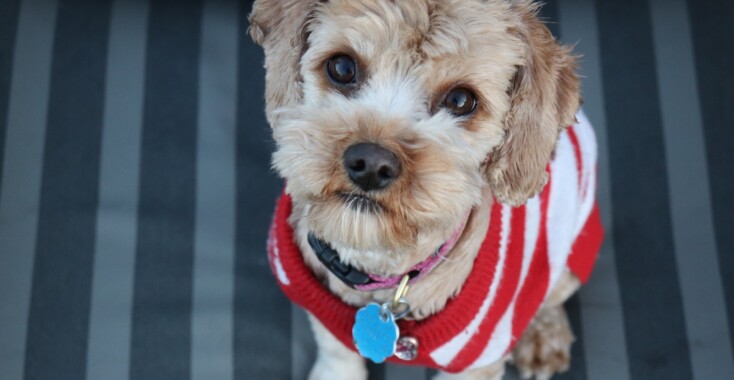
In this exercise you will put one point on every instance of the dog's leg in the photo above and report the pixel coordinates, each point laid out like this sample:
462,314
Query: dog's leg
545,348
334,360
566,286
491,372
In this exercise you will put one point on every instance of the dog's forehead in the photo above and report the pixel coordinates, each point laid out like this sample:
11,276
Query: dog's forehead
416,30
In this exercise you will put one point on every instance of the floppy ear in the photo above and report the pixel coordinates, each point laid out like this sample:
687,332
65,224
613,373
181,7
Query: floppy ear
280,27
544,97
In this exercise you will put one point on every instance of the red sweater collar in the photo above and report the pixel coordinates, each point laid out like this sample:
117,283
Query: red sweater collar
303,288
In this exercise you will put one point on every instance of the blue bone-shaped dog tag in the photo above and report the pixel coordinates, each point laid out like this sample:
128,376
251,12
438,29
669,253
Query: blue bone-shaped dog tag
374,336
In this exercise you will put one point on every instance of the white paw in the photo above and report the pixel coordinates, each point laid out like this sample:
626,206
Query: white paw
545,349
491,372
330,368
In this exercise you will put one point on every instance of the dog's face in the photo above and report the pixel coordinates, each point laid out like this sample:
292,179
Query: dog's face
391,117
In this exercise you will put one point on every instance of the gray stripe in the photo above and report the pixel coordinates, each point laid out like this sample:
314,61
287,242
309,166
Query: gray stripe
695,246
403,372
303,347
212,323
26,131
112,286
601,307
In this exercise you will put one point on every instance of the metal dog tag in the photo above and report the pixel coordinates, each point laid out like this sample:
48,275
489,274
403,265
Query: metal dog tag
407,348
375,333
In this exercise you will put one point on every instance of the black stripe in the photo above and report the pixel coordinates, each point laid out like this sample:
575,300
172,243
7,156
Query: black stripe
262,344
375,371
577,371
713,42
62,273
549,15
8,26
654,322
161,320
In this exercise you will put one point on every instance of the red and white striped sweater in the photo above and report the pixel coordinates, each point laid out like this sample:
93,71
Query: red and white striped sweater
525,252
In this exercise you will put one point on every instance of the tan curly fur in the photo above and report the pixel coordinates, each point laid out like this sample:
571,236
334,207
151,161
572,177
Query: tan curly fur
409,54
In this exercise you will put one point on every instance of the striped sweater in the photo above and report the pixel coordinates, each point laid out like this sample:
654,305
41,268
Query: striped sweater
525,251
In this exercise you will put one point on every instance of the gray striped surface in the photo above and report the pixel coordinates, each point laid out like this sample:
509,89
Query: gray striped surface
21,183
112,283
135,194
695,246
212,321
605,348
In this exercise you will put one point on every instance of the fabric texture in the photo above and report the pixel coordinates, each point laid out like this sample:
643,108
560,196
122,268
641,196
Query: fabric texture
525,251
158,108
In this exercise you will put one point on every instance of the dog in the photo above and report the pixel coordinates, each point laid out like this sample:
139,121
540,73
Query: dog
438,210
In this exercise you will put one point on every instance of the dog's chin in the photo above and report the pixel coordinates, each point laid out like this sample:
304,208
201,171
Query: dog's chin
367,251
360,222
360,203
369,236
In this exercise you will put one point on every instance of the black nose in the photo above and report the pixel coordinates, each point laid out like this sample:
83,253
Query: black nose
370,166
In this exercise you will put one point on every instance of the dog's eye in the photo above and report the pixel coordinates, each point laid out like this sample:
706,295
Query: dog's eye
460,101
342,69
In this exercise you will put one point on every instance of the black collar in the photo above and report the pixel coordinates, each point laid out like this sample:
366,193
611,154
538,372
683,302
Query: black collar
330,258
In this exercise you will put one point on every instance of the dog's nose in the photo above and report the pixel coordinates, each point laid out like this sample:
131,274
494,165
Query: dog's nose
370,166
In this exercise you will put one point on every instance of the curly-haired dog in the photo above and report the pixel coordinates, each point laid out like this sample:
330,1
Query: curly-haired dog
426,141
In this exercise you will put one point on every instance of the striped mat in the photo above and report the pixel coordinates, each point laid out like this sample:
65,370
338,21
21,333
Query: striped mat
135,194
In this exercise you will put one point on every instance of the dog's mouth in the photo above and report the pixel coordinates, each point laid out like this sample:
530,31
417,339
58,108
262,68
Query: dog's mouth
361,203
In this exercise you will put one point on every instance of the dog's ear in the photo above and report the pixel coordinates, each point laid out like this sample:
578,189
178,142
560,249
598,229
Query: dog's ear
544,97
281,28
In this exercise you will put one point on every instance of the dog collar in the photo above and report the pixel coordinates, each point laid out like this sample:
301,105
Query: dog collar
359,280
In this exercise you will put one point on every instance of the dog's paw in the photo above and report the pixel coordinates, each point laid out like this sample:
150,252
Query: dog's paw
492,372
545,349
329,368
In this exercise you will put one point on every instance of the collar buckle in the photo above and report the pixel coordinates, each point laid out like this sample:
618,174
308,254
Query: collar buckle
330,258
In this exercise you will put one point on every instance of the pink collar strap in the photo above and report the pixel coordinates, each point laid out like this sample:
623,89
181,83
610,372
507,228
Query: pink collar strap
368,282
